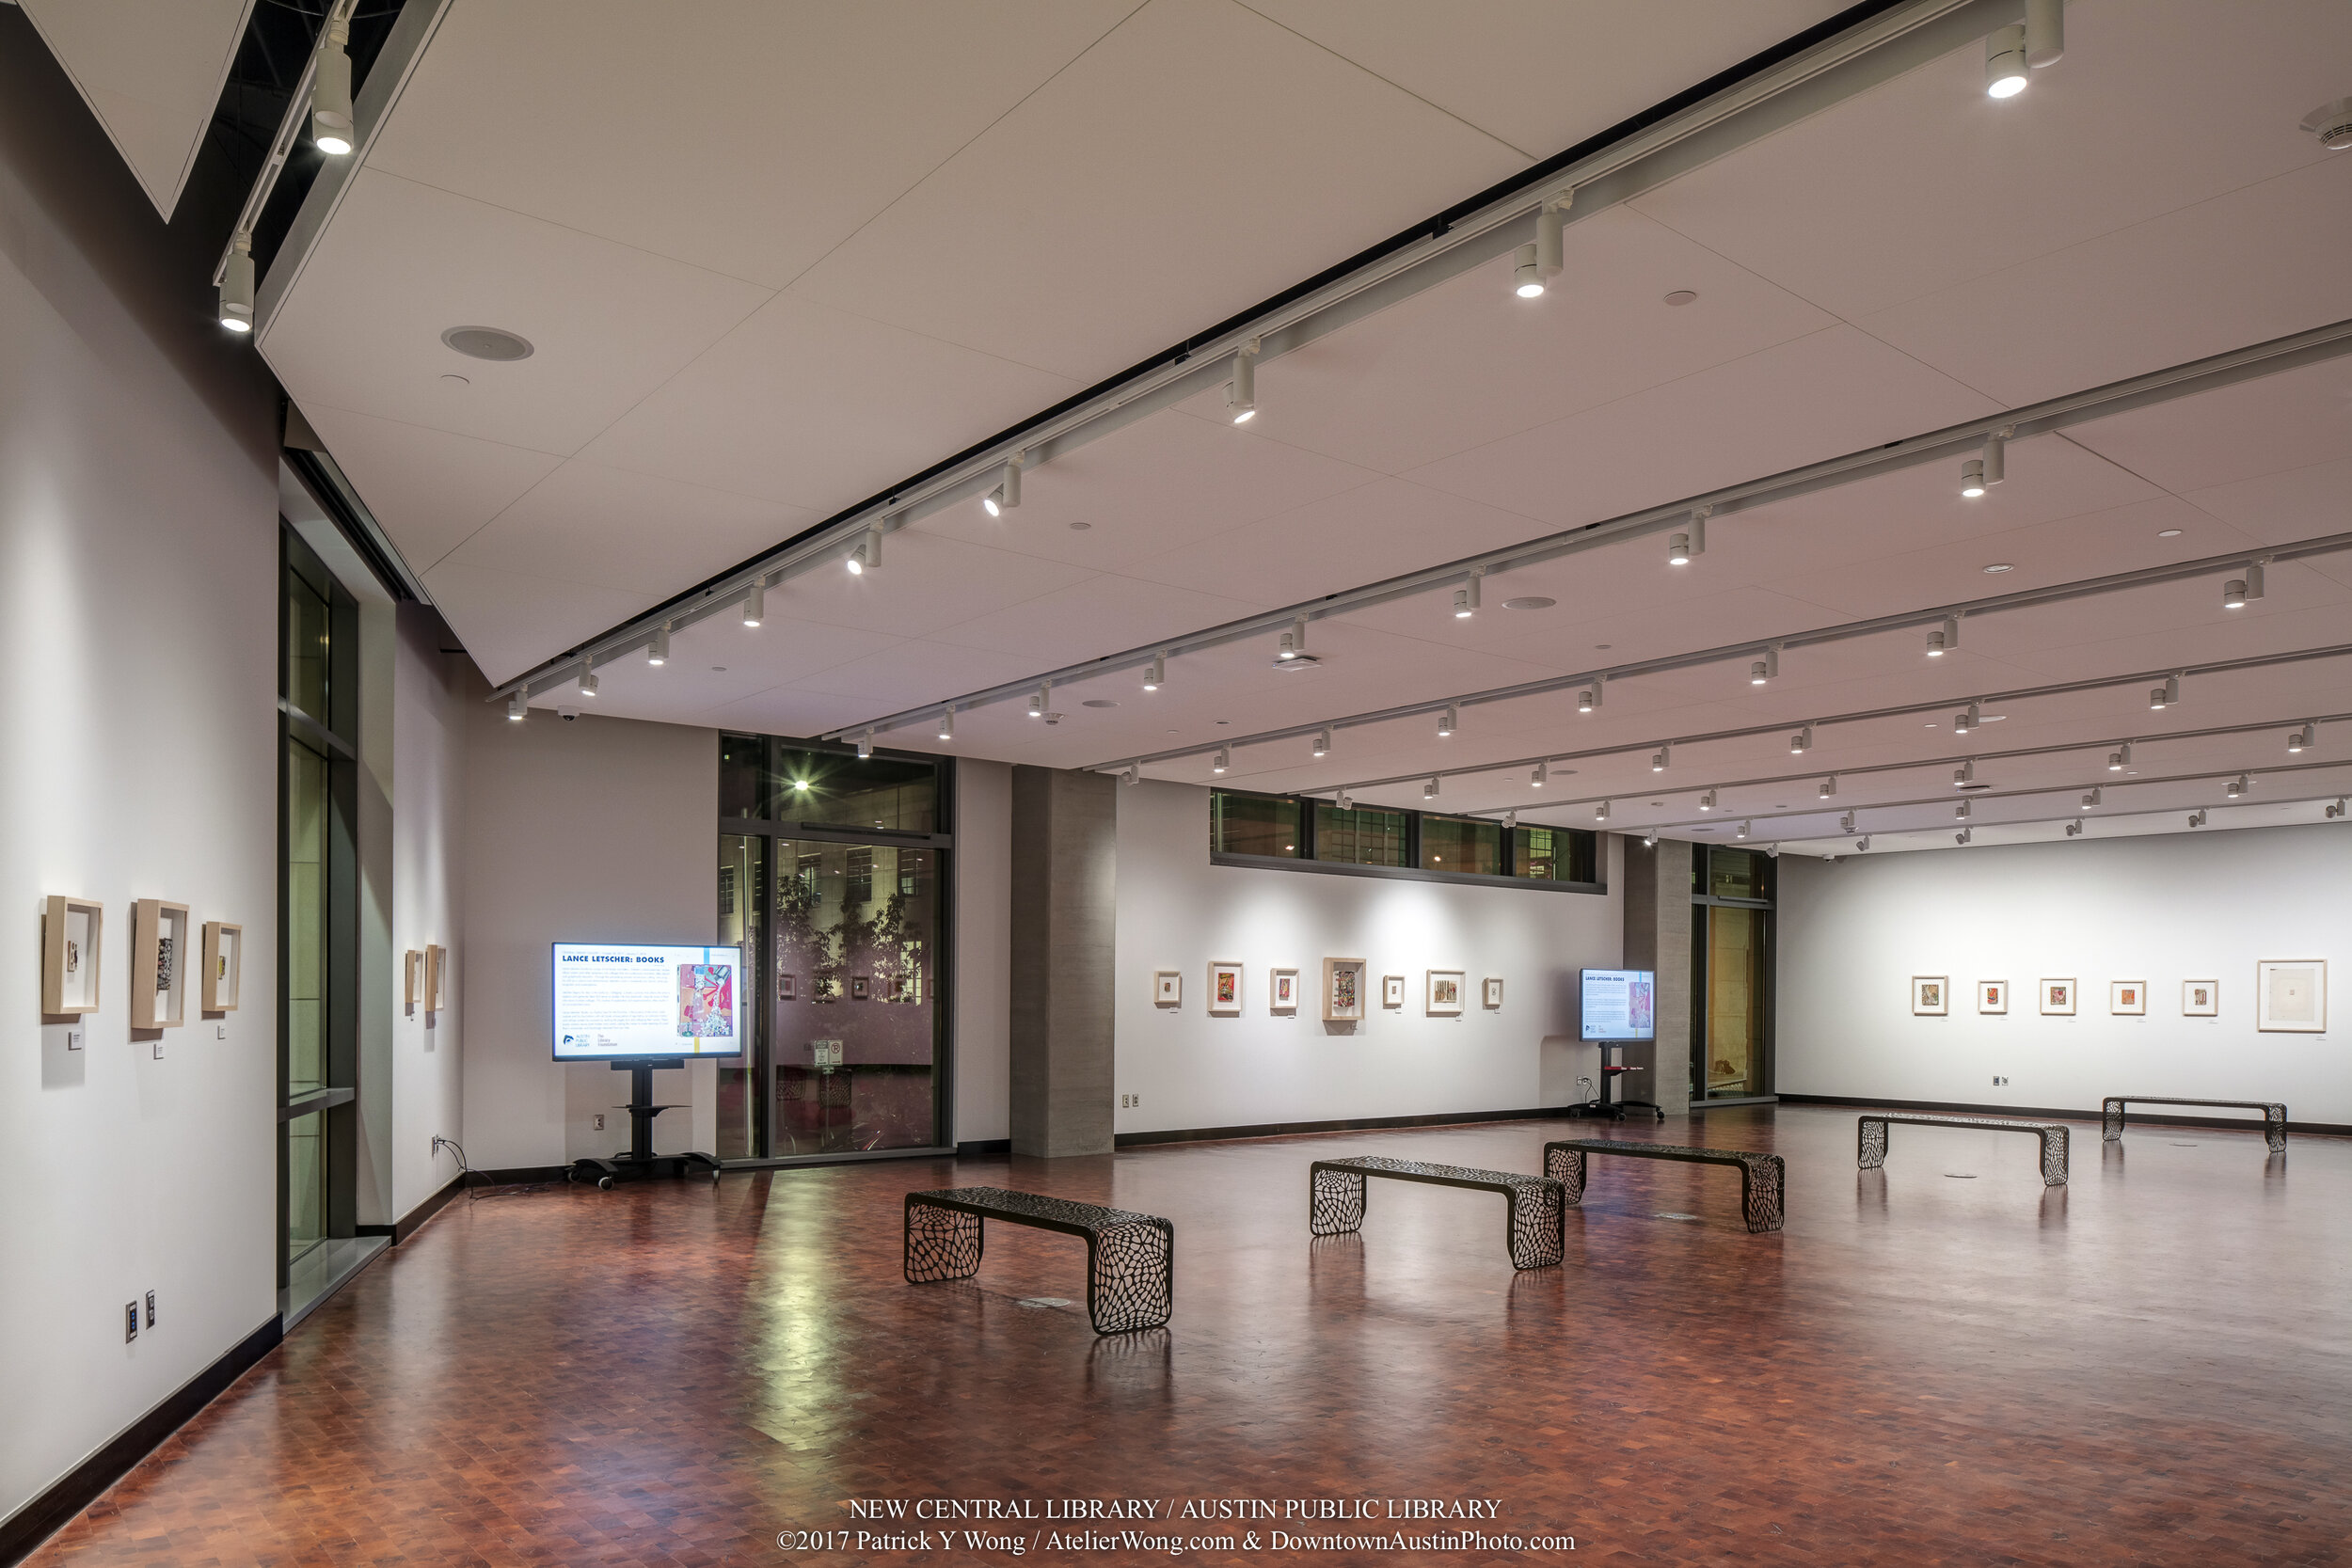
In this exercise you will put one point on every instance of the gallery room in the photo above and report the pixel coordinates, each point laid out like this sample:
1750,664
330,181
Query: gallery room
1222,781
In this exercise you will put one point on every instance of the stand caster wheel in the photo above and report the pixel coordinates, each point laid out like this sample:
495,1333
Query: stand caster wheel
604,1184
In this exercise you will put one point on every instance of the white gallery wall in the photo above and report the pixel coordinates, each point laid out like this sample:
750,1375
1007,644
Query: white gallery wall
2162,910
1190,1071
433,698
591,830
138,589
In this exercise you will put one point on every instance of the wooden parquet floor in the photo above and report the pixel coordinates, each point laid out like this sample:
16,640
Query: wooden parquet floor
2151,1365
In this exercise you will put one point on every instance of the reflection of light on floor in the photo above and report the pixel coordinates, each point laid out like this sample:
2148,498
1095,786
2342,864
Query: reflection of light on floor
1046,1301
1663,1214
1961,1175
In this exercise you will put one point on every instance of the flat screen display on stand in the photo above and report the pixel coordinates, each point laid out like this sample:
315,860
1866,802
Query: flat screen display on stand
623,1003
1620,1004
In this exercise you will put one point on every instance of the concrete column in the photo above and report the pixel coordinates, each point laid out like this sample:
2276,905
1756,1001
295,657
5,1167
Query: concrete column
1657,935
1065,873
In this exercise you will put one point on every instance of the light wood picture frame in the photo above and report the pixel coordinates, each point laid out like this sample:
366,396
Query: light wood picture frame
2128,998
1168,988
1393,991
1490,993
2291,996
1992,996
1443,992
1931,995
435,968
2201,999
72,935
1282,991
2058,998
1224,988
159,964
224,966
1343,991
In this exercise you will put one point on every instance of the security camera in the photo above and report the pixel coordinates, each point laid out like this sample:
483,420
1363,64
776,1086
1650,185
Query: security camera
567,714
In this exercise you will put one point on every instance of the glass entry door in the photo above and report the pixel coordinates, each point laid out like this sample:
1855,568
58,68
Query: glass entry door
1735,1002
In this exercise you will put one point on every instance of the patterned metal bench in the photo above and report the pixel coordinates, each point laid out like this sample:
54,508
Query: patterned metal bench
1763,1177
2274,1114
1870,1138
1131,1258
1535,1227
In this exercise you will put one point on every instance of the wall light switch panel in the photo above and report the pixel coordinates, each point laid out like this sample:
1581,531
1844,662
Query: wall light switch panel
150,1309
599,1124
130,1320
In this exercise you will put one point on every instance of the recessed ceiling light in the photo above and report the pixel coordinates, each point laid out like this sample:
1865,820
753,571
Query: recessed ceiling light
2001,566
2168,534
1930,724
1657,803
718,669
1099,702
1682,296
456,381
1225,720
487,343
1533,601
1080,527
1604,648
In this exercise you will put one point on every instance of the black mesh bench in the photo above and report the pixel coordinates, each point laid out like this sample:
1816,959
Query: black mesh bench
1763,1177
1131,1258
1535,1227
2274,1114
1870,1138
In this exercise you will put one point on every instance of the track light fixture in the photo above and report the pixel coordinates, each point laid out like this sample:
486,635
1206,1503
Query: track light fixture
1678,551
1466,597
1446,721
2118,761
1682,546
947,723
1707,801
1155,673
1223,759
1132,774
1995,458
1043,697
2234,593
1511,821
1845,823
1343,802
1322,741
2302,739
1241,393
1965,810
517,706
1972,478
1965,773
2162,697
1828,787
2336,810
1665,755
865,744
1742,832
1526,274
330,92
1534,265
1429,790
1862,845
867,556
2239,785
1965,835
2005,61
1542,776
2092,800
1600,812
236,285
1944,639
1649,840
1800,742
756,602
2046,32
657,651
1767,667
1589,698
2074,829
587,680
1007,492
1289,646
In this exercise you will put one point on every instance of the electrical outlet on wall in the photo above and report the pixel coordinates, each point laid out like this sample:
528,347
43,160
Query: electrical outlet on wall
2000,1082
150,1309
1130,1101
597,1125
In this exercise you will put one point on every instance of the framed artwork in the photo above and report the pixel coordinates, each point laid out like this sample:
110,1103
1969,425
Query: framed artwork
2291,996
411,979
1224,989
1393,991
1491,992
1168,988
1343,991
2201,999
787,986
1931,995
1443,998
2057,998
1283,990
224,956
159,964
435,972
861,987
1992,996
70,930
2129,997
894,989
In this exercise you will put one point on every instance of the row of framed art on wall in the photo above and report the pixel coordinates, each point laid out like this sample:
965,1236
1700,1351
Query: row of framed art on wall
71,942
2290,996
1345,993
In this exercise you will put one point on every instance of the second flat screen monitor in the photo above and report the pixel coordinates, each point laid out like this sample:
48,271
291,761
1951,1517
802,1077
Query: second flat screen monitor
1620,1004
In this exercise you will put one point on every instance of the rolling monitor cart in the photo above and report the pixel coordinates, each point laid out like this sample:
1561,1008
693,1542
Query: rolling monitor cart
636,1007
1618,1008
639,1161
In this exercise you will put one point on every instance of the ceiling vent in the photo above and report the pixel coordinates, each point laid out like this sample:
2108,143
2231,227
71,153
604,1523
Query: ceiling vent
487,342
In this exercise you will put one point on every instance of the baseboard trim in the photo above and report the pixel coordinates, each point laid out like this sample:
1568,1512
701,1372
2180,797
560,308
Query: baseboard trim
1361,1124
2237,1124
413,1221
23,1531
981,1147
516,1176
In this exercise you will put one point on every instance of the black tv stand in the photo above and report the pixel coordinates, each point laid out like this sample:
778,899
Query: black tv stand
639,1162
1603,1108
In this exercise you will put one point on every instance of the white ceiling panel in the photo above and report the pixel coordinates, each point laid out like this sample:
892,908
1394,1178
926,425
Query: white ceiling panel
1075,234
1546,75
634,534
810,405
928,585
2257,428
431,490
906,673
511,620
743,137
1068,625
2302,503
402,263
1925,183
151,71
1822,395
